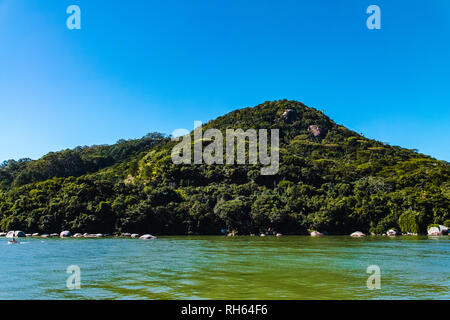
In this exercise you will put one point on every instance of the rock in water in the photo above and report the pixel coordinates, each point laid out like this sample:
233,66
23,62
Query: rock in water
434,231
77,235
357,234
443,229
65,234
391,233
316,234
147,237
16,234
135,235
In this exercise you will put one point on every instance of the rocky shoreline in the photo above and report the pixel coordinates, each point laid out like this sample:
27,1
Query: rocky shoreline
68,234
438,230
432,231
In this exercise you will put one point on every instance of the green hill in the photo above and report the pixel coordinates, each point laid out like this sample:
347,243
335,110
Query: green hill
329,179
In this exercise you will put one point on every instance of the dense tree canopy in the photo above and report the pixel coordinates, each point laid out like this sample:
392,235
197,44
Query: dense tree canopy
336,181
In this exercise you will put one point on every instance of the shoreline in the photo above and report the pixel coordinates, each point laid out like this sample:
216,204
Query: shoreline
95,236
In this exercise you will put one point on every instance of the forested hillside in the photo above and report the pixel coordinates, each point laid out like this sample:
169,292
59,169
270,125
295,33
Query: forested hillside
76,162
330,179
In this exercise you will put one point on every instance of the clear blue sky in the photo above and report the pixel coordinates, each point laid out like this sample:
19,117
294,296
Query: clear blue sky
141,66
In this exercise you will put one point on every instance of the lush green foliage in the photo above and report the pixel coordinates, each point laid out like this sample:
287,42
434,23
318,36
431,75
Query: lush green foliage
410,221
76,162
337,182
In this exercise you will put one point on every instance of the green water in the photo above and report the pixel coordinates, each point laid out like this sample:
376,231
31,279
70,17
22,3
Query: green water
289,267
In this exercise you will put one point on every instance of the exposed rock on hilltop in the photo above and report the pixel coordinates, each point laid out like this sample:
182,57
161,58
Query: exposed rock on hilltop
316,130
289,115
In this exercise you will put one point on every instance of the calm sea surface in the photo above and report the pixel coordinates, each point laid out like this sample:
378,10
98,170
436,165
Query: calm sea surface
213,267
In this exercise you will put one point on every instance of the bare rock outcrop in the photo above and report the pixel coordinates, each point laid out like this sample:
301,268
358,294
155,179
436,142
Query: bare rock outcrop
289,115
316,131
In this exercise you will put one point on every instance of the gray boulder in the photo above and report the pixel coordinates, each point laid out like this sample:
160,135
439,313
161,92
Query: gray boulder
65,234
289,115
434,231
316,234
392,233
357,234
316,130
16,234
147,237
443,229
